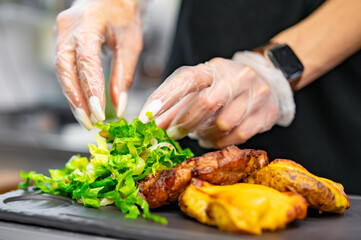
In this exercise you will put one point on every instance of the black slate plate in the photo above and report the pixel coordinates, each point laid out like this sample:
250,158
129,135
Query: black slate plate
33,207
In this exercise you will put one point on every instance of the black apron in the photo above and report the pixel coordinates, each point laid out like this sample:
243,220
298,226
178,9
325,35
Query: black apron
325,135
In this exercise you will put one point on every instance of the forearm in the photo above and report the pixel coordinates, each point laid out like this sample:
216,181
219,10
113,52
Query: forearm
326,38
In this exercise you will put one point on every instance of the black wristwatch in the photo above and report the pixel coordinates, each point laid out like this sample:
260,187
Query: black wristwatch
283,58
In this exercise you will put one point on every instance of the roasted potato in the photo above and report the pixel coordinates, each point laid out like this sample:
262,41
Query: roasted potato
286,175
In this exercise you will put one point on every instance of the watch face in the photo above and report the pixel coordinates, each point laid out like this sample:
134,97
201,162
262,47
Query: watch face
285,59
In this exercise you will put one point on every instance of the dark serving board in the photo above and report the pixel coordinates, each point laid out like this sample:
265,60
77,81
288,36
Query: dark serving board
34,208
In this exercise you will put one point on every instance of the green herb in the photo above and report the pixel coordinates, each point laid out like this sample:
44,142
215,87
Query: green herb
110,176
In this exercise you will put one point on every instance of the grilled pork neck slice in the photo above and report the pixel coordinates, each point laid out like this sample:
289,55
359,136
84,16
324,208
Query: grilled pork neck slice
223,167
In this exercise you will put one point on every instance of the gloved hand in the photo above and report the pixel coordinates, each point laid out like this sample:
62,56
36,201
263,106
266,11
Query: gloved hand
81,30
222,102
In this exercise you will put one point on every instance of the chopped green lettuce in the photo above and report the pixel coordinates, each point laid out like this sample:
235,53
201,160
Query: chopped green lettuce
111,174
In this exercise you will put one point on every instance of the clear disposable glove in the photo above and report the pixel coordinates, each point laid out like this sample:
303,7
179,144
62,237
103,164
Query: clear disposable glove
81,30
222,102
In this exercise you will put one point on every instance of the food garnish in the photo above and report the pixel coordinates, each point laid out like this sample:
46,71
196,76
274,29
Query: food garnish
111,174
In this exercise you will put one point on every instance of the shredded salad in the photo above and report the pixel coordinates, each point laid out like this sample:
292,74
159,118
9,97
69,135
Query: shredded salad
110,176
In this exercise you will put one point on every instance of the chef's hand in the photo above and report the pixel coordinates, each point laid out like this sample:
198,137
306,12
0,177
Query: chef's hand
222,102
81,30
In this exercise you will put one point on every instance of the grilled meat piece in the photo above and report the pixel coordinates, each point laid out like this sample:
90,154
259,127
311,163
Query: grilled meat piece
286,175
223,167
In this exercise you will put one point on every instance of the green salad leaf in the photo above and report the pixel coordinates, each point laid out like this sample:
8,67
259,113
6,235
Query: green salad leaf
124,154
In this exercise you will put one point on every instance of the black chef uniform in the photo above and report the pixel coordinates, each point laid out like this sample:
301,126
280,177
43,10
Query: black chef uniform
325,134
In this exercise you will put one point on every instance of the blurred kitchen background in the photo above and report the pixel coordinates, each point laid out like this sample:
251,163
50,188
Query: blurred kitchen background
37,128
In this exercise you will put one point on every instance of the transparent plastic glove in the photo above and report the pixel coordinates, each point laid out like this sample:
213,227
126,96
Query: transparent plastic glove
222,102
81,30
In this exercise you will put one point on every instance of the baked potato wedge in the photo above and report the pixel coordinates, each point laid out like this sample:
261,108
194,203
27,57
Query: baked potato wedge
287,175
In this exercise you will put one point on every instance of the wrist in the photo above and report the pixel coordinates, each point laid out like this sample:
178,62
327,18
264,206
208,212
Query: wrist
274,78
282,57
